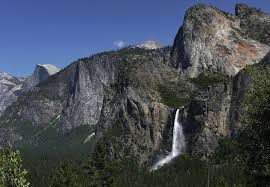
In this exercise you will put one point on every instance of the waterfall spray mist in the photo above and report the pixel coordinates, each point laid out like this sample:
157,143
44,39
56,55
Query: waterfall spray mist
178,143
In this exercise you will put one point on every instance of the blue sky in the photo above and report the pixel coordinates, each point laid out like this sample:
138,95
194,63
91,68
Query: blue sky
60,31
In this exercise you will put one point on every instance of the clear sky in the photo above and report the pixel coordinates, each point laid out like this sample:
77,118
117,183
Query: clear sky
60,31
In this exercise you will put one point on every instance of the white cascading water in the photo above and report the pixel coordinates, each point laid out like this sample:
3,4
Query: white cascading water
88,138
178,143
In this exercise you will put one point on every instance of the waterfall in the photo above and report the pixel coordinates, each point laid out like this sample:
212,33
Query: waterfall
178,143
88,138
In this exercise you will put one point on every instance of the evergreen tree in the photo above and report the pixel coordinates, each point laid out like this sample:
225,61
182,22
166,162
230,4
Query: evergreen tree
11,169
254,137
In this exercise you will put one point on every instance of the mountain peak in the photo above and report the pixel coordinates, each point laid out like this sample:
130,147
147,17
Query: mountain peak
4,75
51,69
149,45
245,10
42,72
11,87
211,40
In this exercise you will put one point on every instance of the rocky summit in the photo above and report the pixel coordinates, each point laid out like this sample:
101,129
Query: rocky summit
149,45
127,99
134,92
215,41
12,87
41,73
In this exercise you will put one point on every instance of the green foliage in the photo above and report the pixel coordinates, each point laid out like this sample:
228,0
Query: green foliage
254,28
99,170
69,175
226,152
96,171
182,172
199,16
11,170
44,149
116,130
254,136
207,79
256,25
175,94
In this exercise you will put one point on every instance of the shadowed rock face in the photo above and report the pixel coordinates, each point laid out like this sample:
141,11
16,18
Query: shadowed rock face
41,73
211,40
130,96
116,92
11,87
206,119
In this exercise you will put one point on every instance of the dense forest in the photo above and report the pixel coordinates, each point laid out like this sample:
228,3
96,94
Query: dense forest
241,161
104,120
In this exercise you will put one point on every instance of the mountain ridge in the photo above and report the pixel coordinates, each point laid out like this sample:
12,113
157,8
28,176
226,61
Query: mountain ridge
12,87
149,44
210,40
129,96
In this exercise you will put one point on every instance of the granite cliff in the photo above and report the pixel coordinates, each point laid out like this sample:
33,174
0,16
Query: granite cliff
214,43
12,87
212,40
129,97
9,88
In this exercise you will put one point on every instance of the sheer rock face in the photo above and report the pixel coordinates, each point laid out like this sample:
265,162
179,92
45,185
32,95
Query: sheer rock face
116,90
134,119
206,119
215,114
215,42
75,94
84,104
41,73
125,94
11,87
211,40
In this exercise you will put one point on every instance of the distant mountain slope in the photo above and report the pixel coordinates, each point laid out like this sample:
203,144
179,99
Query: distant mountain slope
11,87
41,73
99,92
149,45
130,96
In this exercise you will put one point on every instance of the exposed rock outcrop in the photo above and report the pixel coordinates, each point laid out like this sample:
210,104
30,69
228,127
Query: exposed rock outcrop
41,73
211,40
254,23
149,45
116,91
130,95
11,87
133,111
206,119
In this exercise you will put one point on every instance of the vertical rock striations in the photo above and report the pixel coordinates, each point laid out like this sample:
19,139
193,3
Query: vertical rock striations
12,87
129,95
211,42
41,73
